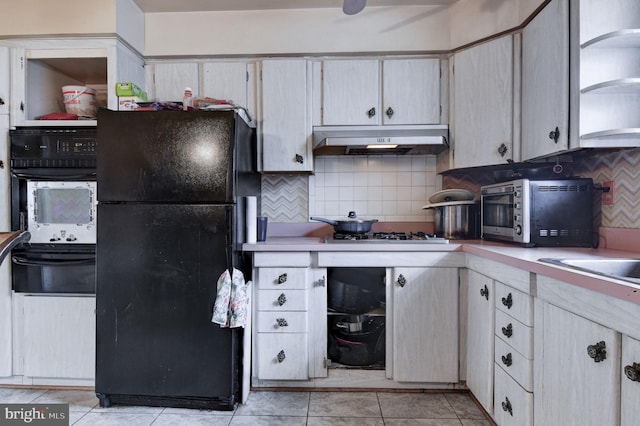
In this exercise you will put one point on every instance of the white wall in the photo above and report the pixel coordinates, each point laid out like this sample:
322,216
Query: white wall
38,17
327,30
472,20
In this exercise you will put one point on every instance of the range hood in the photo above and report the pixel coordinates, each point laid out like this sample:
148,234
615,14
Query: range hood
359,140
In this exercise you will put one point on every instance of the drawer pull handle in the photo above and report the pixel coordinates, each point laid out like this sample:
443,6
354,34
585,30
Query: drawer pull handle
632,372
282,299
506,406
282,322
402,280
484,292
508,301
282,278
598,351
507,360
281,356
508,330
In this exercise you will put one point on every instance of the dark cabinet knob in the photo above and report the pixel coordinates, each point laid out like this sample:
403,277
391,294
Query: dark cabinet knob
484,292
507,359
390,112
282,322
401,280
554,135
282,278
506,406
321,282
633,372
508,330
502,150
598,352
1,101
299,159
508,301
281,356
371,113
282,299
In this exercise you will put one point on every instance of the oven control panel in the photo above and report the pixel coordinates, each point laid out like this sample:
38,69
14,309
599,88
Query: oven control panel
35,147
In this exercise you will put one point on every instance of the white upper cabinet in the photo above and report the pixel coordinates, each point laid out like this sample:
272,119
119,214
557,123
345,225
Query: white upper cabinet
170,80
284,127
630,386
5,82
545,82
608,51
40,68
411,91
227,80
483,104
389,92
351,92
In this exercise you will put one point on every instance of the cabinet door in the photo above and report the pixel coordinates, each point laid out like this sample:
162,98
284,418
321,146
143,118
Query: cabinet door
411,91
59,337
5,271
425,325
171,79
225,80
286,116
572,388
351,92
480,338
630,409
483,104
318,323
4,80
545,82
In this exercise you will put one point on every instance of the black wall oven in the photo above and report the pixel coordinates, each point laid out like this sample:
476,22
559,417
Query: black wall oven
53,196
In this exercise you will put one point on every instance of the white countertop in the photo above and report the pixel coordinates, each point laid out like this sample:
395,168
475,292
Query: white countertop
513,255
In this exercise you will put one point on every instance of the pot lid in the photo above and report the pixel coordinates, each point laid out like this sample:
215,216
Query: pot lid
447,203
451,195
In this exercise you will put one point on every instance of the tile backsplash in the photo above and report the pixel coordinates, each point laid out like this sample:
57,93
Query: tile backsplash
388,188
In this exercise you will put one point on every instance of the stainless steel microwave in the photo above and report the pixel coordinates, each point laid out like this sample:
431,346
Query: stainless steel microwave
557,212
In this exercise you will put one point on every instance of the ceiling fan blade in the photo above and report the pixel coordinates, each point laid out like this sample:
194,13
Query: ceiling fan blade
351,7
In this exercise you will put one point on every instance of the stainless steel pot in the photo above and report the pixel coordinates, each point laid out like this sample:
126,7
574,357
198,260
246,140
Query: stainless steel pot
456,220
351,226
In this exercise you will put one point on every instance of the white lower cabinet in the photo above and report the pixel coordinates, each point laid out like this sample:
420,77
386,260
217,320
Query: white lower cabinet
425,325
630,386
59,337
281,346
513,404
578,378
513,374
480,338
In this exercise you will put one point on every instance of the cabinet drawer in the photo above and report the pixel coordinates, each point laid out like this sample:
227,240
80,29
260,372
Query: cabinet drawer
513,405
516,365
282,300
516,303
516,334
281,322
282,278
282,356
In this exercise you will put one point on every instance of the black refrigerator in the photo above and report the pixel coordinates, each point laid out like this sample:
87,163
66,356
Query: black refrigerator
170,221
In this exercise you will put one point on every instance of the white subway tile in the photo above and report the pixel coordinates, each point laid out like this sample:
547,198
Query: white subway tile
403,178
375,193
389,179
389,208
374,178
404,193
345,193
332,179
360,179
331,164
345,163
389,193
345,178
374,208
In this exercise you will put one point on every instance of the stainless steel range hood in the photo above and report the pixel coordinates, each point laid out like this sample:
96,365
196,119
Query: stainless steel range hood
354,140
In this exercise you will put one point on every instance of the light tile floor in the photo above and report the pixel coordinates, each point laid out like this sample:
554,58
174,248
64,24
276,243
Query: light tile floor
273,408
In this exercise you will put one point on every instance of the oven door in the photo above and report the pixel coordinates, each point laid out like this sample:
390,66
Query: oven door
61,212
45,271
498,215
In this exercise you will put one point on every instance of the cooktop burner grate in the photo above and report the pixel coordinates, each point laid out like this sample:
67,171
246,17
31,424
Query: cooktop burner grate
387,237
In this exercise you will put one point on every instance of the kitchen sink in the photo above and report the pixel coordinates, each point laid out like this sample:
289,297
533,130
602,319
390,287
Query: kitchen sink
619,268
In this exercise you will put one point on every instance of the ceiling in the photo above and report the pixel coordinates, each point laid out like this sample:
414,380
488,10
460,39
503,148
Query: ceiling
155,6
